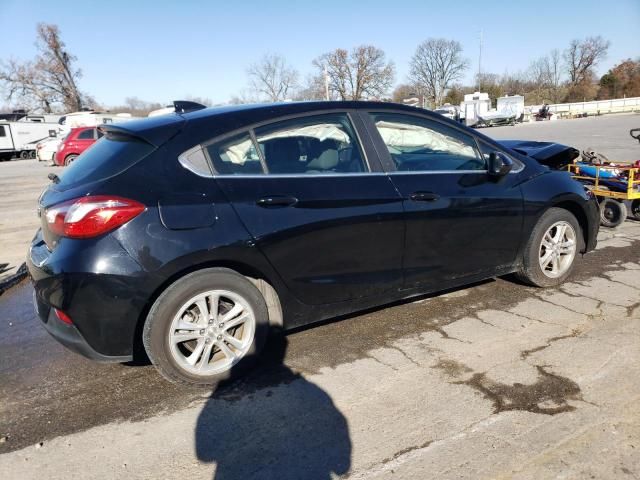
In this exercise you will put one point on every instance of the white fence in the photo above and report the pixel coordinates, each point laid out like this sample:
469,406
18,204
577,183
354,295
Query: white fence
597,107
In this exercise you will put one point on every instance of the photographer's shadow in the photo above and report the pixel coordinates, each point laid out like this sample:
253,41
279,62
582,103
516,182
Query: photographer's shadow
274,424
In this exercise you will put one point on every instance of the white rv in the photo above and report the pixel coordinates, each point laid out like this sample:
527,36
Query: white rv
19,138
91,119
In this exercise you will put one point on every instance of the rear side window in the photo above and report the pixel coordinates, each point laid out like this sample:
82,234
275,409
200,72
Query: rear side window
86,134
418,145
311,145
109,156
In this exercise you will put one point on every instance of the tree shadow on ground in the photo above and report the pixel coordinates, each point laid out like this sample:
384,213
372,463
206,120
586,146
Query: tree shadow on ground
274,424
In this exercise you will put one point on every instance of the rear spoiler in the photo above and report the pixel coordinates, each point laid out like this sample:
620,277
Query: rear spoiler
154,130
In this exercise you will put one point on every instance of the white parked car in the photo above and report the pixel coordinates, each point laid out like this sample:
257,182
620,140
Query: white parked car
46,149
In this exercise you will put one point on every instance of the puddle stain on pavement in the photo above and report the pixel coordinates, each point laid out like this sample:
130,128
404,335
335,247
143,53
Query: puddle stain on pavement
548,396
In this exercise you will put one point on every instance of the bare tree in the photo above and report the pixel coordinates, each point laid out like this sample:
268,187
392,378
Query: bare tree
363,73
50,79
271,76
312,89
553,67
402,92
539,79
436,65
583,55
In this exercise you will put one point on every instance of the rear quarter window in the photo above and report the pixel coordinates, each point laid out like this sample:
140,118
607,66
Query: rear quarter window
109,156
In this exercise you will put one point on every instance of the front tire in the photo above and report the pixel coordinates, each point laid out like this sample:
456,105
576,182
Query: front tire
549,255
207,327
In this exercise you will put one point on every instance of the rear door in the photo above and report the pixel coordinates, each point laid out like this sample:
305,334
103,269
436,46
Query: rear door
460,222
320,209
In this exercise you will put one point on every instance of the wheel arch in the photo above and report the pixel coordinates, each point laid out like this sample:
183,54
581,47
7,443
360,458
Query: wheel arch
581,216
256,277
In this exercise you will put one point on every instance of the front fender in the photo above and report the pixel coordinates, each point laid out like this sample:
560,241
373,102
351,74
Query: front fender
559,189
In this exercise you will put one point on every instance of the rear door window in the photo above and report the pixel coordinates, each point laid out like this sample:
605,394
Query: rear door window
109,156
311,145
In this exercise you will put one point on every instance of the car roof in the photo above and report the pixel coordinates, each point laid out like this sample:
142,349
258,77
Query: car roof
201,123
291,108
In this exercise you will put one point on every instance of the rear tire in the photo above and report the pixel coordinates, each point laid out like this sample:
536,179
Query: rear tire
635,209
69,160
555,242
612,212
185,335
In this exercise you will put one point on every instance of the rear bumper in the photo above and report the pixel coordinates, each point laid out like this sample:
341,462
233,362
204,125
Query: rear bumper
104,306
70,336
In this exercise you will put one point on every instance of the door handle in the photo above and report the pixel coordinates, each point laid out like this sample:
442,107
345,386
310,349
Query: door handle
276,201
424,196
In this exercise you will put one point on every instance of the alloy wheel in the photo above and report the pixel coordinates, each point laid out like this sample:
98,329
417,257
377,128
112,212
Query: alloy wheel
212,332
557,249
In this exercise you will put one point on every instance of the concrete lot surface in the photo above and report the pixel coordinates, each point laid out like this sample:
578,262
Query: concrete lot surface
493,381
607,134
21,182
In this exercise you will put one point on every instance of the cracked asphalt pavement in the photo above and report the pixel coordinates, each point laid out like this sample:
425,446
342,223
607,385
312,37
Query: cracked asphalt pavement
497,380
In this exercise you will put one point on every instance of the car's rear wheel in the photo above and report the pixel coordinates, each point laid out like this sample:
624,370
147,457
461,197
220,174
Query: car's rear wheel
612,212
550,253
207,327
69,159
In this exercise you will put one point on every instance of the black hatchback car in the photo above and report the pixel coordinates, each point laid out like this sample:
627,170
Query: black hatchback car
195,233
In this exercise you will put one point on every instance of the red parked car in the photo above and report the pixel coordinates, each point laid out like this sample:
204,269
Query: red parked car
78,140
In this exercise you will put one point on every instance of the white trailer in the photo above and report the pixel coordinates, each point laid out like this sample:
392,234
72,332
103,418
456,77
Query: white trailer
20,138
474,106
512,105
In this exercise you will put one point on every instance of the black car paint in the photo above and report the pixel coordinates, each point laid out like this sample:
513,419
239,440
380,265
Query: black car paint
107,284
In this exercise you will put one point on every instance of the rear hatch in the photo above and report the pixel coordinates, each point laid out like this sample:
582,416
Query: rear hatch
122,146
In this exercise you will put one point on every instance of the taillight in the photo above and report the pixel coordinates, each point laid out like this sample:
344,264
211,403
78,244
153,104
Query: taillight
91,216
63,316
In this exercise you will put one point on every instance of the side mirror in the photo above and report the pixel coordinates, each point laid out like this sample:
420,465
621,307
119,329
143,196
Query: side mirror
499,164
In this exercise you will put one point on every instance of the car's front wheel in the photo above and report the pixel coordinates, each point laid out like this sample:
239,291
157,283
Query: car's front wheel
550,254
207,327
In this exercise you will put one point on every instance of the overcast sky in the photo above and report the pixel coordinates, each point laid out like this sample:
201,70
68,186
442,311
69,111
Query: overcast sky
163,50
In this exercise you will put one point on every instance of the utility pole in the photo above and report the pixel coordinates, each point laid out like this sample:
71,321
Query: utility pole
480,64
326,83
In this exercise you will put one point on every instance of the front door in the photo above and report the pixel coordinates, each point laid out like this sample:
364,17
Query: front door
460,222
329,223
